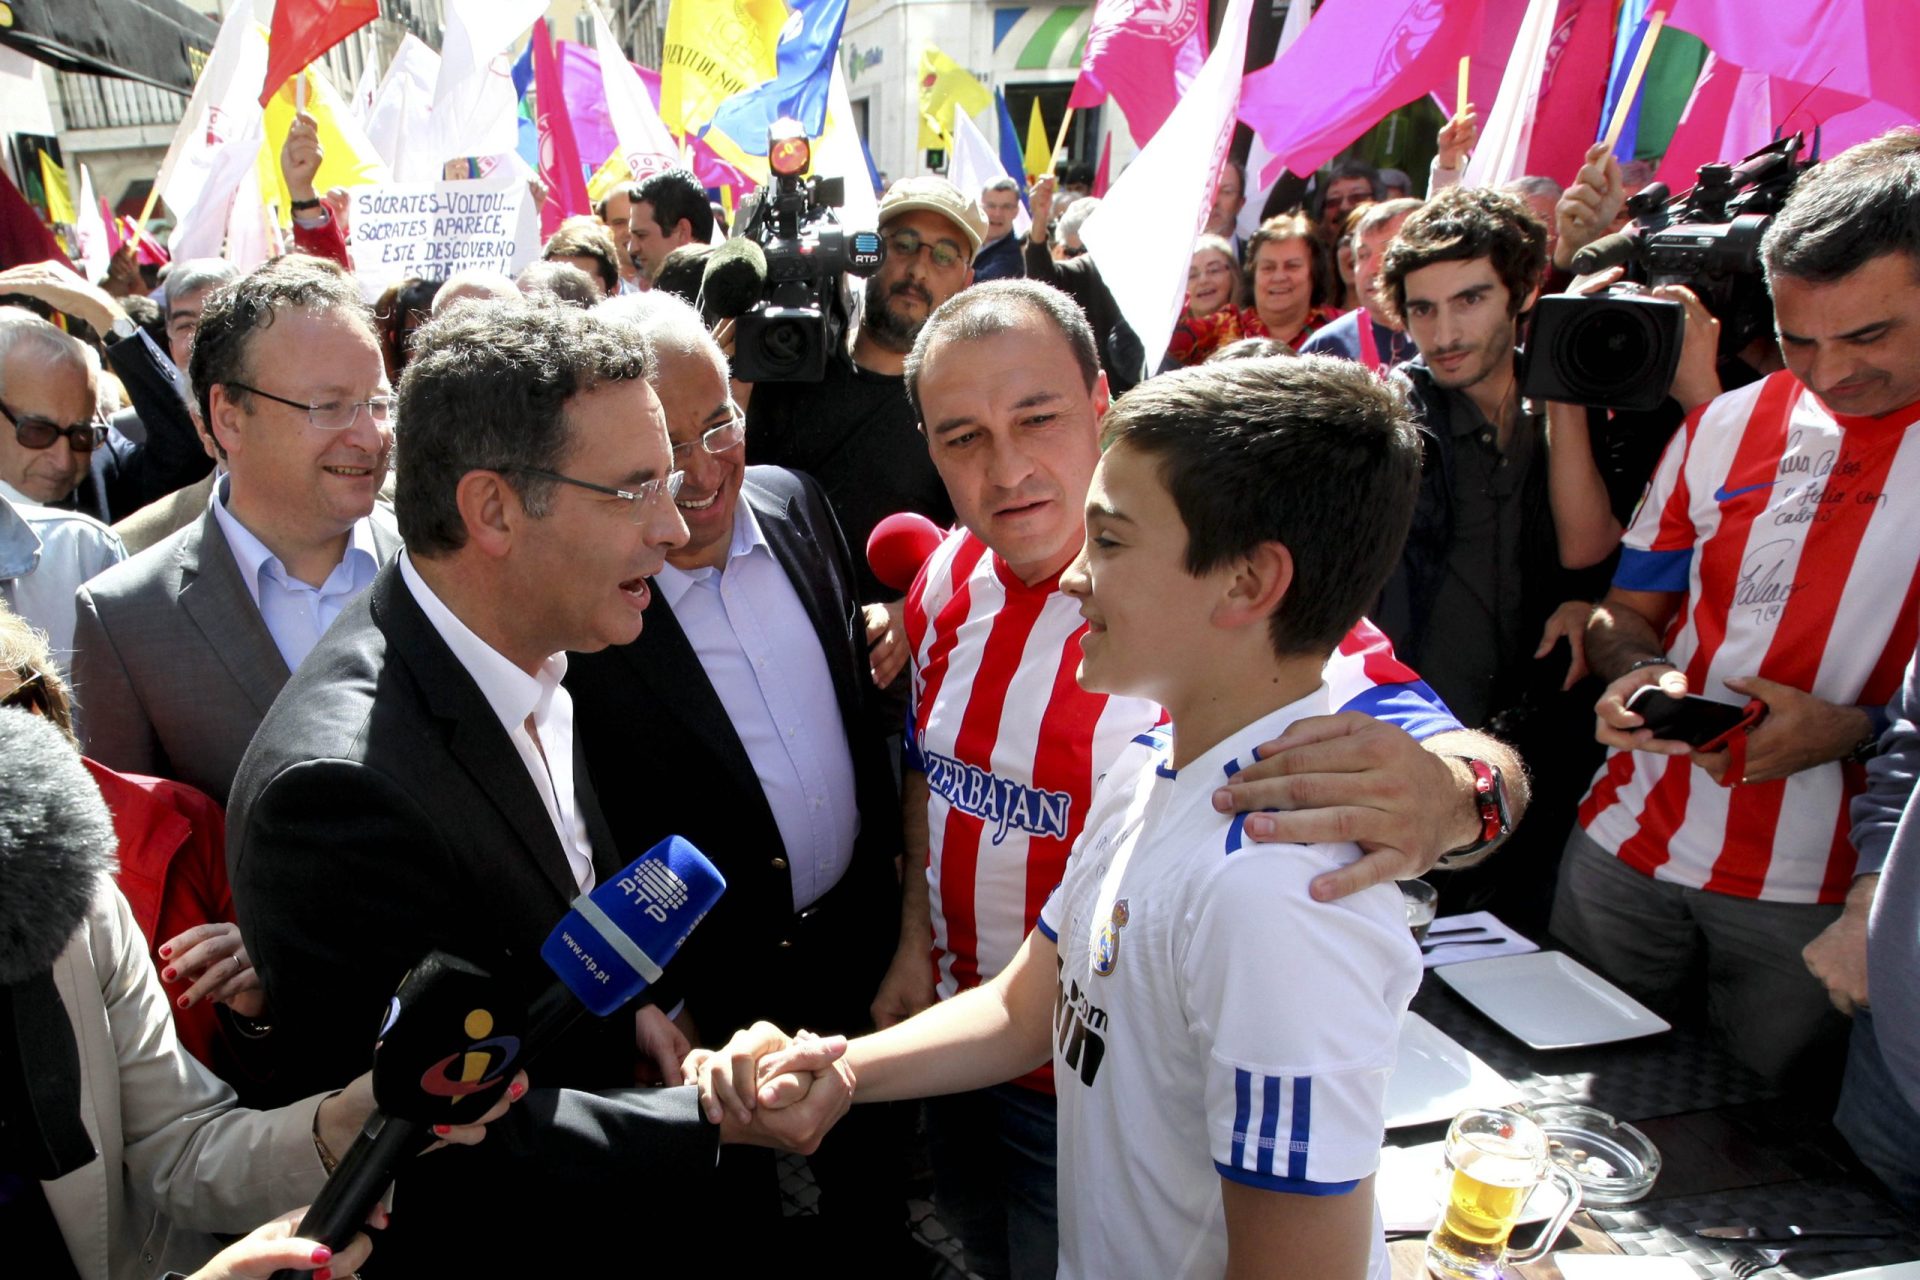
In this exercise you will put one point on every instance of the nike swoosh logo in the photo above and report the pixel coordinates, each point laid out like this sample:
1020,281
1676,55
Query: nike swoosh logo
1723,494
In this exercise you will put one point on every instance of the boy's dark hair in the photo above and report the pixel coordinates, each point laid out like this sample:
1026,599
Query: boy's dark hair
582,237
1312,452
1861,204
674,195
1462,224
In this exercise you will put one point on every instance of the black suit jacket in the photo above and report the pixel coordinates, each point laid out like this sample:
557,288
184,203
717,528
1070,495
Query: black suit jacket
665,760
381,811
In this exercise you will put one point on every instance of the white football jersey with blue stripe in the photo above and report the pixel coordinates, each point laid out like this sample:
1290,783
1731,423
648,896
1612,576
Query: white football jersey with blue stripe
1213,1021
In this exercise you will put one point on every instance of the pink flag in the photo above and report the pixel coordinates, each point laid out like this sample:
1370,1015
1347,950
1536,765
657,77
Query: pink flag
1103,175
1144,54
1356,61
1573,90
1867,48
593,131
559,158
114,238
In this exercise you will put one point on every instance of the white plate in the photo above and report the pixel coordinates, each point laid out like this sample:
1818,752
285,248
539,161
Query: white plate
1412,1185
1551,1001
1435,1079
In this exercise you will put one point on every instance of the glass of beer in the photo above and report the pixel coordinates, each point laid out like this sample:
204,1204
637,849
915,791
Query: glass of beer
1494,1159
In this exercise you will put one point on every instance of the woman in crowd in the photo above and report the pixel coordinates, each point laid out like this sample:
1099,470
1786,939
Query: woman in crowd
1292,286
1215,279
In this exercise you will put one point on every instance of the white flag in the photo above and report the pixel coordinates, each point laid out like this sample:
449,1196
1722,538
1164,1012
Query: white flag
1142,234
644,140
225,104
201,231
364,89
837,152
399,123
91,229
1258,157
975,163
1501,154
475,110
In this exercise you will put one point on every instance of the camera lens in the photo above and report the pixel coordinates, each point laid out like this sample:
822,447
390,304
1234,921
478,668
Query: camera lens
784,342
1608,344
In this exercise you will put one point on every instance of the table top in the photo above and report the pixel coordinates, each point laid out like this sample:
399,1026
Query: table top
1732,1150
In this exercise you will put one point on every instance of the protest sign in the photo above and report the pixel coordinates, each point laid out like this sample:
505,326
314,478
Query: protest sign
433,229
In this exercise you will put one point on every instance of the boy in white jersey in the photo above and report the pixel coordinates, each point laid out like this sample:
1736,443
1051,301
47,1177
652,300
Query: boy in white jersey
1200,1009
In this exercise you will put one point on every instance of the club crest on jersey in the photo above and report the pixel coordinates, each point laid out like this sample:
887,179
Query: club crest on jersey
1000,802
1106,952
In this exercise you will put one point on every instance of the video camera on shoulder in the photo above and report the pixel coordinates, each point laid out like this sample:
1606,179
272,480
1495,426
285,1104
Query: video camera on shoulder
782,276
1619,349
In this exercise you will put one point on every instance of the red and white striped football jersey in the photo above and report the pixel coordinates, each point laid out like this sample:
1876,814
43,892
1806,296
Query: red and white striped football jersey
1795,537
1011,745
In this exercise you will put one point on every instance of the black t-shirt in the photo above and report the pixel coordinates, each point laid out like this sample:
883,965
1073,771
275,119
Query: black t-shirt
855,433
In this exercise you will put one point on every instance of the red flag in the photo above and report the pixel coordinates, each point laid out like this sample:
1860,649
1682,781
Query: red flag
1352,65
305,29
114,238
23,237
1102,175
559,156
1573,89
1145,56
152,252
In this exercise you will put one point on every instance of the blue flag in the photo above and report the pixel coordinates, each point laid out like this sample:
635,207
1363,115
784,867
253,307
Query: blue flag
528,142
808,45
1012,158
1632,29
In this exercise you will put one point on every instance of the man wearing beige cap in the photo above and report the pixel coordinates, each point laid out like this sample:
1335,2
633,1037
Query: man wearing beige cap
855,431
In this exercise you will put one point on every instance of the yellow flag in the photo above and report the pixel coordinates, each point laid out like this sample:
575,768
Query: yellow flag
59,199
1039,155
609,177
348,159
944,85
713,50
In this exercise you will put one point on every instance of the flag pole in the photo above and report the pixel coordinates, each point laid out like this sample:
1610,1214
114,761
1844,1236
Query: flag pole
1631,88
1460,99
1060,138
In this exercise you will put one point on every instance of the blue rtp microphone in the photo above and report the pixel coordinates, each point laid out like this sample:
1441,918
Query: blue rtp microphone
450,1044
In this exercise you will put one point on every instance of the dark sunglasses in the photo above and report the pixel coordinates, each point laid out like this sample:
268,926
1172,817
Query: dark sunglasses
34,432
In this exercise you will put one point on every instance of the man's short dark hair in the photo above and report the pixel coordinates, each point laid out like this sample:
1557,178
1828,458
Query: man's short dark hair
233,313
557,284
1002,306
1343,170
486,390
1462,224
1861,204
674,195
1312,452
146,313
582,237
1380,213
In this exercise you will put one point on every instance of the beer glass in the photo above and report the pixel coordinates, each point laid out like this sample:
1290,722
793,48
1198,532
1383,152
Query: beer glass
1495,1159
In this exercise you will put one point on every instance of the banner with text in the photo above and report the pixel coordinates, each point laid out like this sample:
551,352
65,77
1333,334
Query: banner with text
433,229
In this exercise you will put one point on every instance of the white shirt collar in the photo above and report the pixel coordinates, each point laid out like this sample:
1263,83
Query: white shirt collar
512,693
747,538
254,556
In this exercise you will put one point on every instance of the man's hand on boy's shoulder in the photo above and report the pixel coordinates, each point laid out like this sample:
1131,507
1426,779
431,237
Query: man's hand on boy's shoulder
1350,777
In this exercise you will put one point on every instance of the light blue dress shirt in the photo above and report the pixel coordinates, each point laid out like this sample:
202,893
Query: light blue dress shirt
760,651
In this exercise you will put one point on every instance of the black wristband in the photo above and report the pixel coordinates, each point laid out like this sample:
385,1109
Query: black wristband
304,204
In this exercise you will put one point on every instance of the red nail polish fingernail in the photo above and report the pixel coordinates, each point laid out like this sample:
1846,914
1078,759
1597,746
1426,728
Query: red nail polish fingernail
186,1002
324,1273
516,1089
167,974
321,1255
166,953
442,1129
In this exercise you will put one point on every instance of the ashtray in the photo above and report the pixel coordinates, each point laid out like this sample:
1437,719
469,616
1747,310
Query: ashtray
1614,1163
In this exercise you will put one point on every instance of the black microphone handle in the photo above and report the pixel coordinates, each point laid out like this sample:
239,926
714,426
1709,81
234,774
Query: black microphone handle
357,1183
549,1018
1608,251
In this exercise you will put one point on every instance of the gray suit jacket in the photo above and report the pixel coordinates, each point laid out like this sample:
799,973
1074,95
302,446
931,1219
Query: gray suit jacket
173,666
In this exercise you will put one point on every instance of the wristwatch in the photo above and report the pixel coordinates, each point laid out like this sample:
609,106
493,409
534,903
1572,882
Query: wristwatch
1496,818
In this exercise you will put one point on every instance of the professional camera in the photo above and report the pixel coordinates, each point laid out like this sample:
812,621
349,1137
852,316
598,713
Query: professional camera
790,324
1619,349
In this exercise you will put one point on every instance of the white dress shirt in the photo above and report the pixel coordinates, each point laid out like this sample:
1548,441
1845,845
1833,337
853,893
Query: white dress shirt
516,698
759,649
45,555
296,613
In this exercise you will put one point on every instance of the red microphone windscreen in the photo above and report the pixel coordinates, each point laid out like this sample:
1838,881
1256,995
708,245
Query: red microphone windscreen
899,545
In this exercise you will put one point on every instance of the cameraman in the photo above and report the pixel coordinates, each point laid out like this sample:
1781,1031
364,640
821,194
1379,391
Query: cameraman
855,431
1776,558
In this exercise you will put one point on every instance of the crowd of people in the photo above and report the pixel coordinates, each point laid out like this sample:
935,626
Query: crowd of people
338,632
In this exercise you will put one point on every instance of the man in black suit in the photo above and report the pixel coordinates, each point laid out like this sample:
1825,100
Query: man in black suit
746,714
418,782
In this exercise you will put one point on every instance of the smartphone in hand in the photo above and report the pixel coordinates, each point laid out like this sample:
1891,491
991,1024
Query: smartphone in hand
1701,723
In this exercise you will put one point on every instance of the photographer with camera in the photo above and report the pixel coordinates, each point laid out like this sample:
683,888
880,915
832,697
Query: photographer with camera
1775,562
854,430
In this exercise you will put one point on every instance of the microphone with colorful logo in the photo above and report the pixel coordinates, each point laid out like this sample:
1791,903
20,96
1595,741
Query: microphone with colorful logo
450,1045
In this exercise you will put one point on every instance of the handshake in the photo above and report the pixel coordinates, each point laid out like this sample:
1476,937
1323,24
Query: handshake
766,1088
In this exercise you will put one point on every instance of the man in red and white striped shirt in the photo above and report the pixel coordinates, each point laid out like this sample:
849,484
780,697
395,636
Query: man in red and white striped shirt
1004,746
1776,557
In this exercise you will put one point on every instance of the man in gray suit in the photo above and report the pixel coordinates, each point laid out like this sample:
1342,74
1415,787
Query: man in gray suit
181,650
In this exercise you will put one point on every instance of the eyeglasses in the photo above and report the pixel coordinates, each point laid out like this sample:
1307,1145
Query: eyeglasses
36,432
719,439
333,415
29,694
906,242
637,500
